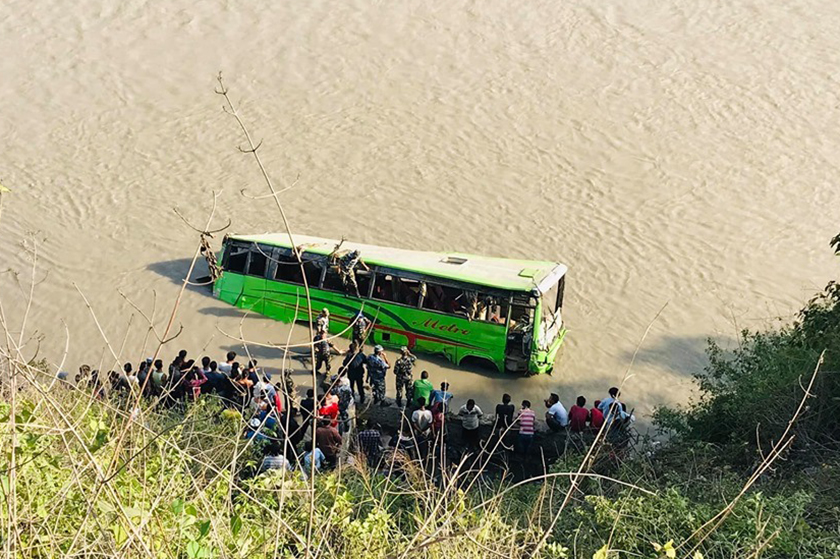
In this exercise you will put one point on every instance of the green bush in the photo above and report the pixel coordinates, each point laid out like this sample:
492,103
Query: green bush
748,395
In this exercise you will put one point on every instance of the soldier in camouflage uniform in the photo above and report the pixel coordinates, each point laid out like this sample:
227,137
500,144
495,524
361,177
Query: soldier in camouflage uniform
286,386
360,330
402,370
347,269
377,365
324,349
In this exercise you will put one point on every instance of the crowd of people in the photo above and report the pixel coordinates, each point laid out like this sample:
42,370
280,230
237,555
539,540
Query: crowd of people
286,426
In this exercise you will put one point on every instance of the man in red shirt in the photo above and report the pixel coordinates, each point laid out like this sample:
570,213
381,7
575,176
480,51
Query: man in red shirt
329,409
596,417
578,416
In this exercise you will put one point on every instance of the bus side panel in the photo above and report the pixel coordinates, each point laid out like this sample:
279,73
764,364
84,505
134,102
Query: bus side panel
456,337
228,287
452,336
253,294
281,300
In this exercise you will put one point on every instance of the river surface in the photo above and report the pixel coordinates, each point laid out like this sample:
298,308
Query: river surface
670,153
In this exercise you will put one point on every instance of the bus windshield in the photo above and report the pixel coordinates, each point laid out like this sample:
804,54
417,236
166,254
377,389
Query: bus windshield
552,322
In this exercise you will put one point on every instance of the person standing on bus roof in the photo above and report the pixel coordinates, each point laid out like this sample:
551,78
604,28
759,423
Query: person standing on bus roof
377,366
402,370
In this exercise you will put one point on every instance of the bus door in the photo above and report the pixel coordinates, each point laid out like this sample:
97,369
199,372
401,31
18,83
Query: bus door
520,335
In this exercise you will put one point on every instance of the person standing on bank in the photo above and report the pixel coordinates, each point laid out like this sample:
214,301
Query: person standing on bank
324,349
360,330
403,371
322,323
354,365
471,424
504,415
377,367
527,420
422,388
226,366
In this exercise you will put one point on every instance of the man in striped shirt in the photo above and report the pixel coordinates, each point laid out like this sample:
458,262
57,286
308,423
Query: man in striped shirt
527,418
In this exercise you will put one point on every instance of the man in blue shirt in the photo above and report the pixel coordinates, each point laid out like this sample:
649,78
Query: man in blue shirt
307,462
611,407
556,417
442,396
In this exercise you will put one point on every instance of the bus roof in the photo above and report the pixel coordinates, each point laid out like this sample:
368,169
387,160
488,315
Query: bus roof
501,273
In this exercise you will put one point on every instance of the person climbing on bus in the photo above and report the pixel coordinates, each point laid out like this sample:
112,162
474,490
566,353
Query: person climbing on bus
403,371
347,270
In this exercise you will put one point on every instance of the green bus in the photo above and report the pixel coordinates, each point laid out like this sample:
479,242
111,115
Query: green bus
502,311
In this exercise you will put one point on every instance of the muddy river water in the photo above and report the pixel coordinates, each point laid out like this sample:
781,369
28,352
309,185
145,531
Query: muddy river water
675,153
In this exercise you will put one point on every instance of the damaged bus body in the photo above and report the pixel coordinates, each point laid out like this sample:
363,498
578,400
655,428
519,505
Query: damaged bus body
505,312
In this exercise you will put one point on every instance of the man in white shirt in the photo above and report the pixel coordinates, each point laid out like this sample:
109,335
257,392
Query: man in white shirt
322,323
225,367
556,417
470,424
421,419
